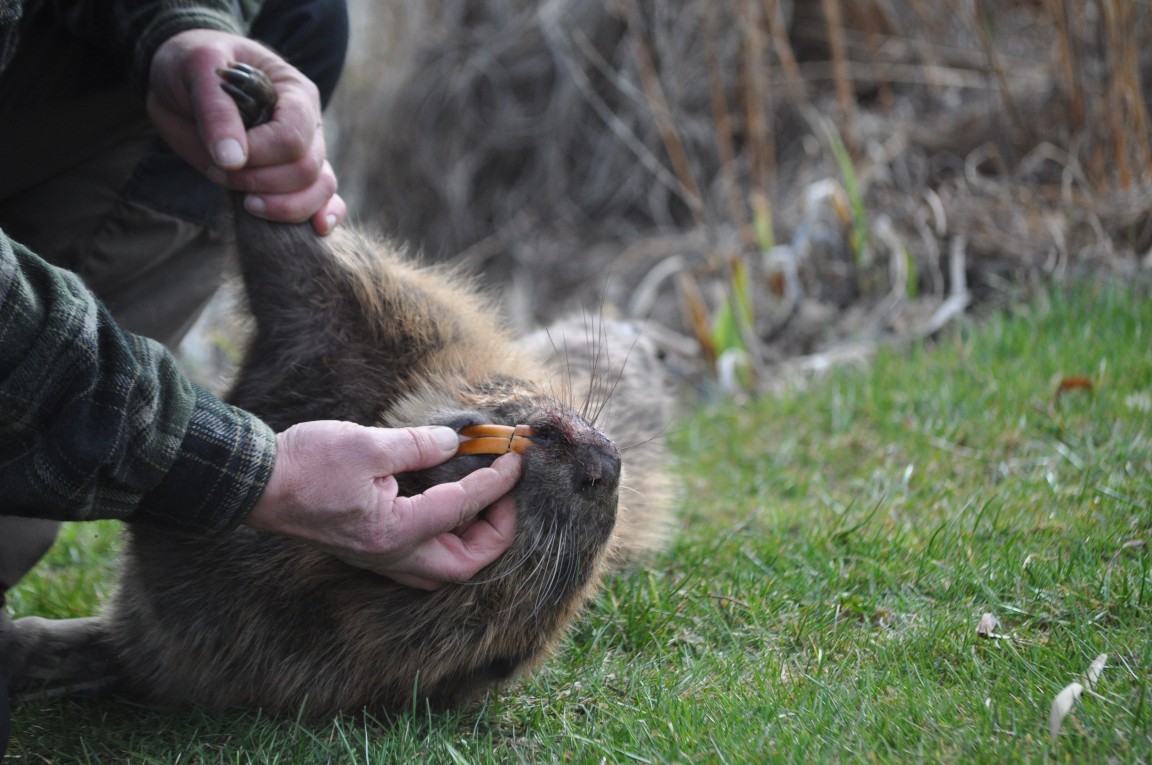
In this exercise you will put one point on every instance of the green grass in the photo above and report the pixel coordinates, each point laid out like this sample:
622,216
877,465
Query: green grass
838,547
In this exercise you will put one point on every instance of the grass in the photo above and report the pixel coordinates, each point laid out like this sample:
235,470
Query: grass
839,545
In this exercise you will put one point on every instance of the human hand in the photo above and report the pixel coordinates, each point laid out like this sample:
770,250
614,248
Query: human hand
333,485
280,165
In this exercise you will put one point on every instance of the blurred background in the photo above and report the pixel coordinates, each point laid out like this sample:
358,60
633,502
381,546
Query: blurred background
767,184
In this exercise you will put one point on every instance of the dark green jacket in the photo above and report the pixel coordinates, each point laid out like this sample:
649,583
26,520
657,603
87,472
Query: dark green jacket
96,422
131,30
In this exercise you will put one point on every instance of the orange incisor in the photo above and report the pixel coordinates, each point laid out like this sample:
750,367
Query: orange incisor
494,439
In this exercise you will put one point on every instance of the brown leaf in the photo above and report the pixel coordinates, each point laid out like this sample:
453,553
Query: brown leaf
1075,382
1094,670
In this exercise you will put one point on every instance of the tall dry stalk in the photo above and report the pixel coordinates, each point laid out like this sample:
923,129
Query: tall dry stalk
978,24
665,124
757,96
845,101
1126,110
782,47
876,23
925,24
725,140
1068,56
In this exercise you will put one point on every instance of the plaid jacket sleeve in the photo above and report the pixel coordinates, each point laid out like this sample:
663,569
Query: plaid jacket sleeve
98,423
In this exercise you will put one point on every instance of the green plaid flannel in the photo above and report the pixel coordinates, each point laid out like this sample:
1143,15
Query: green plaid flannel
98,423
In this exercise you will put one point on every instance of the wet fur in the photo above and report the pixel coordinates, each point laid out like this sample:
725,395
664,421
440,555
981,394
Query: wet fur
348,328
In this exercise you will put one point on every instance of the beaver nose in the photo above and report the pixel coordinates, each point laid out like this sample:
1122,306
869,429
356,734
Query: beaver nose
597,472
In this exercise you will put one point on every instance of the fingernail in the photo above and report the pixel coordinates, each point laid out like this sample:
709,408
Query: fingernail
229,154
331,220
255,205
446,438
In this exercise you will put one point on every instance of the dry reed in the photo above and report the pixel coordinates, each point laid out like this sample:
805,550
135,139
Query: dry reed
570,147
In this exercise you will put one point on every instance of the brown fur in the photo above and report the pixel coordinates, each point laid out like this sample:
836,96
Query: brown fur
347,328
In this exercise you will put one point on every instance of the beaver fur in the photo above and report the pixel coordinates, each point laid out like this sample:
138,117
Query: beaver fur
349,328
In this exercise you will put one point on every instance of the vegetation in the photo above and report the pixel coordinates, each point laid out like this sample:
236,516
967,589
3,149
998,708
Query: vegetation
873,166
763,180
840,543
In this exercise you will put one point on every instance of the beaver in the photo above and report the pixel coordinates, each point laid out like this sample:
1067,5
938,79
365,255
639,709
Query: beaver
349,327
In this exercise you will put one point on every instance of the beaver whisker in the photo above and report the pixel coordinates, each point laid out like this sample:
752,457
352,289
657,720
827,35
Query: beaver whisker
507,570
552,592
549,551
611,391
541,597
565,396
631,489
537,548
664,433
592,368
595,370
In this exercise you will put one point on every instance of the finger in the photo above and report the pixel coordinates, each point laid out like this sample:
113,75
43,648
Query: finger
492,533
294,207
328,217
216,114
293,131
286,178
445,506
402,450
452,558
399,571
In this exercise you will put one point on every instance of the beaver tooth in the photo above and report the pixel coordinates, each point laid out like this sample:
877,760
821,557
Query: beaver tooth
494,439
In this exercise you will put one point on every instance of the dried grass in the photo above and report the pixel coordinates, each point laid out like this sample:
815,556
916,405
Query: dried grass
570,147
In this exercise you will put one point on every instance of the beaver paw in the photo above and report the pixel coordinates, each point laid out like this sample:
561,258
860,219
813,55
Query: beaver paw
252,91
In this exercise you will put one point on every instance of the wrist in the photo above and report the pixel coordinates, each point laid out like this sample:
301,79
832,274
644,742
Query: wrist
269,506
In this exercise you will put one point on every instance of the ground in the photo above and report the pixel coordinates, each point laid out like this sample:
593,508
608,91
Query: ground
954,197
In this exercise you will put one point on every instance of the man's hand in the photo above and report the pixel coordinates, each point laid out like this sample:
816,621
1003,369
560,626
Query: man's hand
333,485
280,165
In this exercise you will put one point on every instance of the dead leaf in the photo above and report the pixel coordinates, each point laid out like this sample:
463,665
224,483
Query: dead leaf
1094,670
1067,698
1129,545
1061,706
1076,382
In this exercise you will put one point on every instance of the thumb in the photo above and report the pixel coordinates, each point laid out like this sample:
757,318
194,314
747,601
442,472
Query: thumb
217,116
407,449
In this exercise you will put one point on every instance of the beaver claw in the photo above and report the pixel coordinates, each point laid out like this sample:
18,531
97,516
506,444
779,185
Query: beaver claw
252,91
